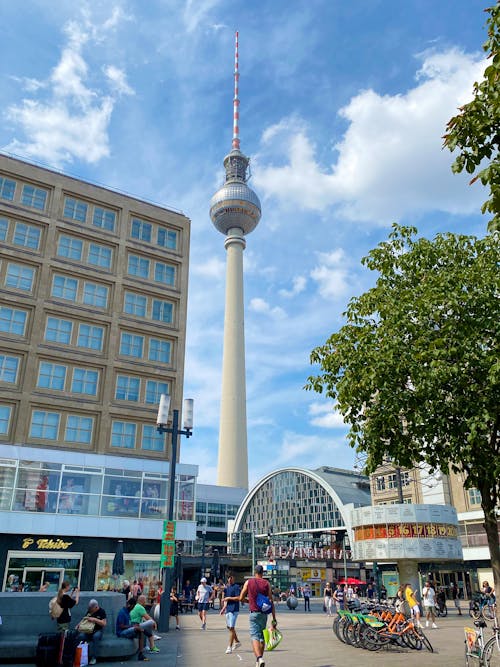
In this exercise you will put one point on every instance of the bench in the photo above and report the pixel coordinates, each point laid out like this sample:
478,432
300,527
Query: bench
26,615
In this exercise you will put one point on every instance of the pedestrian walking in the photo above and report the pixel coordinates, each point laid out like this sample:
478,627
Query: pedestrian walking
258,619
328,598
455,596
204,595
429,602
414,606
306,592
231,609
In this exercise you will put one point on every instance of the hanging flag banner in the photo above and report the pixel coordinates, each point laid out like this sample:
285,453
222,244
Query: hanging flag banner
167,558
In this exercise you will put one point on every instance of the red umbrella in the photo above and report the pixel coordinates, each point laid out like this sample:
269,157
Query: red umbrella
351,580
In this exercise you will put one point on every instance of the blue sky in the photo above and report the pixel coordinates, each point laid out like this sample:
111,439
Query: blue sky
343,105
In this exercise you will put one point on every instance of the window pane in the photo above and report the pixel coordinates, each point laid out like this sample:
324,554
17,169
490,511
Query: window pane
138,266
5,413
167,238
4,228
7,188
135,304
58,331
51,376
84,381
131,345
34,197
164,273
159,350
127,388
104,218
162,311
95,295
27,236
90,337
141,230
44,425
19,277
70,247
79,429
152,440
99,255
12,321
64,287
154,390
8,368
123,434
74,209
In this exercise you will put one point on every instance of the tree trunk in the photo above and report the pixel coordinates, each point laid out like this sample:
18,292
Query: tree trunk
491,528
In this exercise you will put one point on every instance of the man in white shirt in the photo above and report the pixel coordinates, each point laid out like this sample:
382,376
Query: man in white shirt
204,595
429,601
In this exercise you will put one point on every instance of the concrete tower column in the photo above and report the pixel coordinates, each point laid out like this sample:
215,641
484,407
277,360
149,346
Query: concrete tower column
232,468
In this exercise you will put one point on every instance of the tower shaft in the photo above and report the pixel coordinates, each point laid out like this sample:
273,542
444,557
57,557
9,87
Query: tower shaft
232,468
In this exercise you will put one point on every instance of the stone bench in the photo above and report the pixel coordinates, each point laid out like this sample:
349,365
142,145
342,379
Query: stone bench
26,615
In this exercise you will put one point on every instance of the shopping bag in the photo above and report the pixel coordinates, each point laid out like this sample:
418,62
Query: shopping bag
272,638
81,655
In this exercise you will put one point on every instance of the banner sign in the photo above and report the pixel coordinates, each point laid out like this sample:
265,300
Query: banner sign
167,558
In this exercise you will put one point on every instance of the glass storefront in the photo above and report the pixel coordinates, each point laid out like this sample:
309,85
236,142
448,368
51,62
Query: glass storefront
28,572
144,569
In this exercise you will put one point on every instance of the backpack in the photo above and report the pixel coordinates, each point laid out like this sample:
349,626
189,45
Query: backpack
263,603
55,609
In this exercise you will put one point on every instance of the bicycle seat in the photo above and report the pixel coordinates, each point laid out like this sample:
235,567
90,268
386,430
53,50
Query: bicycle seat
480,624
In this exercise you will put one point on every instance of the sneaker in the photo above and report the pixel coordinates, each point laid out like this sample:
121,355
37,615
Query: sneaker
156,637
155,649
229,650
177,627
92,661
204,625
261,662
426,624
434,626
142,657
236,645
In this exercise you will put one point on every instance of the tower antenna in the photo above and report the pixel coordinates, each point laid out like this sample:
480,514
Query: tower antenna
236,100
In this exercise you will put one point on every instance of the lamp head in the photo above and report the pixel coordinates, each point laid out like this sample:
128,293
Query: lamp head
163,410
188,413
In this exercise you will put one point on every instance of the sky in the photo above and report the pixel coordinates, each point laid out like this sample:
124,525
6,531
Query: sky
342,110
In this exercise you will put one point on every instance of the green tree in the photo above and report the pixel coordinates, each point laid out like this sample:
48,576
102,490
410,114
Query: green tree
415,371
475,131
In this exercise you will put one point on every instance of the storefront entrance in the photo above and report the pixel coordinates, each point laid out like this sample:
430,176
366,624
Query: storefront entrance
34,577
27,571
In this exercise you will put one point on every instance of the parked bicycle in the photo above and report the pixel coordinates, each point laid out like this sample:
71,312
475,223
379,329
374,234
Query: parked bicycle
479,653
480,607
441,609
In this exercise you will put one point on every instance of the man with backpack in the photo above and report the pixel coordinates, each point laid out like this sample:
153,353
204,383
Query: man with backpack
260,601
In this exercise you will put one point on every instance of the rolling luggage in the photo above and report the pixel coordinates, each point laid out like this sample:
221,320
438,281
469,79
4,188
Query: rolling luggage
69,648
49,649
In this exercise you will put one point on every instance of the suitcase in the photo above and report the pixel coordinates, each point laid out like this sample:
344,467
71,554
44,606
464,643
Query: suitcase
68,648
49,649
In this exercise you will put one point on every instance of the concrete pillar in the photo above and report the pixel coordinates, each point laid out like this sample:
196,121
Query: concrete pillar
232,468
408,574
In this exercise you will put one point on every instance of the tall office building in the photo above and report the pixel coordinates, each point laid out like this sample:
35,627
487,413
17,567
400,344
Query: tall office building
93,297
235,211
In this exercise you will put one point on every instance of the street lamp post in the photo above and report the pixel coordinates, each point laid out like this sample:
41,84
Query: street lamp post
161,423
203,538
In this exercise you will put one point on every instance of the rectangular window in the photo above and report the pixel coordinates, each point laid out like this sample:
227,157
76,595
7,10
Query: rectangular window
100,255
51,376
5,414
127,388
167,238
8,368
20,277
75,209
7,188
392,481
27,236
381,483
152,440
162,311
474,496
95,295
64,287
58,330
44,424
104,218
159,350
138,266
79,429
131,346
34,197
4,228
141,230
135,304
90,337
85,381
154,390
164,273
12,321
70,247
123,434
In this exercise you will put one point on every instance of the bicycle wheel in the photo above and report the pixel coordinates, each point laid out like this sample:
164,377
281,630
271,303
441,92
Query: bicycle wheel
488,612
474,611
336,628
492,652
412,640
425,641
369,638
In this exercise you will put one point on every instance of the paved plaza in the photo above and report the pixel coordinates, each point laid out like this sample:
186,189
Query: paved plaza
308,641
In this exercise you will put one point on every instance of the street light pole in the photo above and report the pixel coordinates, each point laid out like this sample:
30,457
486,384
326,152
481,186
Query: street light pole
161,423
203,538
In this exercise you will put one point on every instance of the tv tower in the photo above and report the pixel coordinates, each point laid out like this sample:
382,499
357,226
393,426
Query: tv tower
235,211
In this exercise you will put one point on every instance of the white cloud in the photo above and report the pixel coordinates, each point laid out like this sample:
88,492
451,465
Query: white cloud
298,286
258,305
119,80
331,275
195,12
309,451
325,416
390,159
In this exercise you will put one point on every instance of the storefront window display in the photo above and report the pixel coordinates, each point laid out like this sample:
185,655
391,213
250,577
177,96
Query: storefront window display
140,568
26,572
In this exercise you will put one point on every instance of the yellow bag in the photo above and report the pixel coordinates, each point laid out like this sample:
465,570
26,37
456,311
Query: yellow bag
272,638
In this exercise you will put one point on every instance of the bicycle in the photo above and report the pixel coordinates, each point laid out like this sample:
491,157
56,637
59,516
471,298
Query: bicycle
476,650
441,609
480,606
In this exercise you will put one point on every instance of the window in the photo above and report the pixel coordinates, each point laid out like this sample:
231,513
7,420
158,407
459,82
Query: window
159,350
58,330
152,440
34,197
123,434
141,230
127,388
381,483
79,429
70,247
20,277
405,478
135,304
85,381
44,424
164,273
51,376
4,228
167,238
27,235
12,321
74,209
95,295
100,255
8,368
162,311
64,287
474,496
7,188
5,413
154,390
138,266
131,346
104,218
90,337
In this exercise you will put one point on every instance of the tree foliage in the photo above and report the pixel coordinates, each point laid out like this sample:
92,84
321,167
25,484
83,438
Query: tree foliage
475,131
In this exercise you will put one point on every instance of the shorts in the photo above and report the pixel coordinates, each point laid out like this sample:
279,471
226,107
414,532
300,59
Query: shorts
456,602
429,608
415,609
258,622
129,633
203,606
231,617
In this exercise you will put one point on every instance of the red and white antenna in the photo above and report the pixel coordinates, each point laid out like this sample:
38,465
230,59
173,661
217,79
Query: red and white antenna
236,100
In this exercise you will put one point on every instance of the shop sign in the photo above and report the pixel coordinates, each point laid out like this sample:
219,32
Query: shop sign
306,553
45,543
167,558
